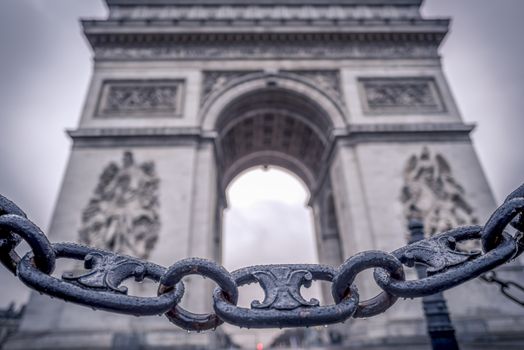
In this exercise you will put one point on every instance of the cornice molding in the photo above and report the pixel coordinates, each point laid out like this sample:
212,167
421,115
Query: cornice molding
165,27
134,39
354,133
149,39
417,132
140,132
301,43
136,137
411,127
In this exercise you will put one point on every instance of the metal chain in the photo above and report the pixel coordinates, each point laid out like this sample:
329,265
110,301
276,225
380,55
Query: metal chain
99,287
510,289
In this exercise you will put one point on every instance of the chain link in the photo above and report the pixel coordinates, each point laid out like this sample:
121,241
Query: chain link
99,284
283,305
9,241
14,228
447,266
348,271
206,268
512,290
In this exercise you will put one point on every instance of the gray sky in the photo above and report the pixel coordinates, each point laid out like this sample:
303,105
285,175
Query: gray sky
45,68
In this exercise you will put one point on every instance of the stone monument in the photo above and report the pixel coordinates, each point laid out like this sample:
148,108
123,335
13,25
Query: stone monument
347,94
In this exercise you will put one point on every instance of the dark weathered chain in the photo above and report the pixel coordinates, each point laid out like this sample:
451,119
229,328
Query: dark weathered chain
202,267
511,289
99,286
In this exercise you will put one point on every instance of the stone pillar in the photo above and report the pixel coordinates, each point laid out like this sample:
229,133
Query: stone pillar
327,232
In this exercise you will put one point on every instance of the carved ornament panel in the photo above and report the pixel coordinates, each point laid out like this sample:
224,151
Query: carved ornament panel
141,98
400,95
215,81
326,80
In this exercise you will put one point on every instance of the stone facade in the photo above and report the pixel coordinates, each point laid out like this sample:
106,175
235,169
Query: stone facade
342,93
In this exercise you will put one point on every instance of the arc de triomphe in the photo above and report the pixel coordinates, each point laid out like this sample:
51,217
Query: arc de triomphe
347,94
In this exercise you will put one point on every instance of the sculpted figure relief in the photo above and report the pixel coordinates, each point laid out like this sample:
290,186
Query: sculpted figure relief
122,215
433,195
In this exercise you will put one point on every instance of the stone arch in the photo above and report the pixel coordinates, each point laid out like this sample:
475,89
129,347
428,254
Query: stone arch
278,120
322,100
272,125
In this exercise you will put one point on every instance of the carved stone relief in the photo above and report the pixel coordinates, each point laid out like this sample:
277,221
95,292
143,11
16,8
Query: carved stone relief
432,194
122,215
401,95
261,49
214,81
131,97
325,80
254,12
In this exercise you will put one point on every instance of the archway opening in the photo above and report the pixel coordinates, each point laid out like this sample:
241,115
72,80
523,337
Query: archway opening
267,221
273,126
266,216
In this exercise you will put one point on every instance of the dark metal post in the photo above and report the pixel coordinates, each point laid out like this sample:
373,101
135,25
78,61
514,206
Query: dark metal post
440,328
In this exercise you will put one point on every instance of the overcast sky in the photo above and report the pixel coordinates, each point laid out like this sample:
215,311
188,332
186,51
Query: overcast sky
45,66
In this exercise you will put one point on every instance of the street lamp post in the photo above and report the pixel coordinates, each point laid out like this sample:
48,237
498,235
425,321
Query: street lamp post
440,328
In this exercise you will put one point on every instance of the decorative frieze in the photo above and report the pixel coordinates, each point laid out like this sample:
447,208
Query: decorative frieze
432,194
254,12
122,215
259,49
143,98
400,95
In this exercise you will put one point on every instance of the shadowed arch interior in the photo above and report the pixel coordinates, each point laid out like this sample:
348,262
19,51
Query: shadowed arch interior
273,126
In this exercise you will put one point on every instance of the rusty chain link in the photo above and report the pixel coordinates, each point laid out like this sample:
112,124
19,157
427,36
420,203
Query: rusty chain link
99,286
